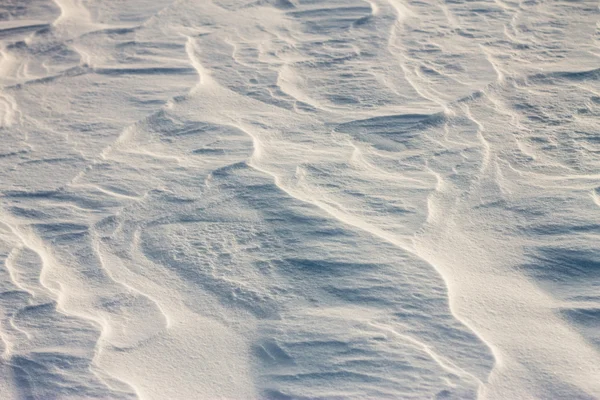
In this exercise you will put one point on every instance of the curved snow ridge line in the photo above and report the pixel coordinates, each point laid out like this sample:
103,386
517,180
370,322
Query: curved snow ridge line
24,239
402,10
443,362
374,8
501,75
595,196
288,81
9,263
359,161
74,16
9,111
8,336
6,354
63,298
34,294
120,276
5,336
485,145
412,78
411,75
525,311
404,244
191,49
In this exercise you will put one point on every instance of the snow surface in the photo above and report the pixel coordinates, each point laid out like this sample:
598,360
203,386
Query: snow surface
299,199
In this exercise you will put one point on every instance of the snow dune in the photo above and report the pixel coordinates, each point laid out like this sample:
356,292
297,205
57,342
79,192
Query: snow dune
299,199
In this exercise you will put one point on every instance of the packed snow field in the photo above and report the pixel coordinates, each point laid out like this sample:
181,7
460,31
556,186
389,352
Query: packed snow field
299,199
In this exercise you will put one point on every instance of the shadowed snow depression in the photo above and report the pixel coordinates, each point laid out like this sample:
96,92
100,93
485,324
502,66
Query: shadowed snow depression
299,199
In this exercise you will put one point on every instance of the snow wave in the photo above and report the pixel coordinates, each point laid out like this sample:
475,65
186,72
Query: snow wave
298,199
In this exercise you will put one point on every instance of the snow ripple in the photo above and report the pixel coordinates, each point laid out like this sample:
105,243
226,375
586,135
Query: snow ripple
299,199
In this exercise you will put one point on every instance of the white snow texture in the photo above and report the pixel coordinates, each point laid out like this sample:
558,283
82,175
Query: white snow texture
299,199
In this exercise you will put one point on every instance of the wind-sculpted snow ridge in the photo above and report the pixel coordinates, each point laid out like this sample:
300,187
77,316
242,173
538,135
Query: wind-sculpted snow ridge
299,199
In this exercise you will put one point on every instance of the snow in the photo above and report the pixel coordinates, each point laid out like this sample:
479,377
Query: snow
302,199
